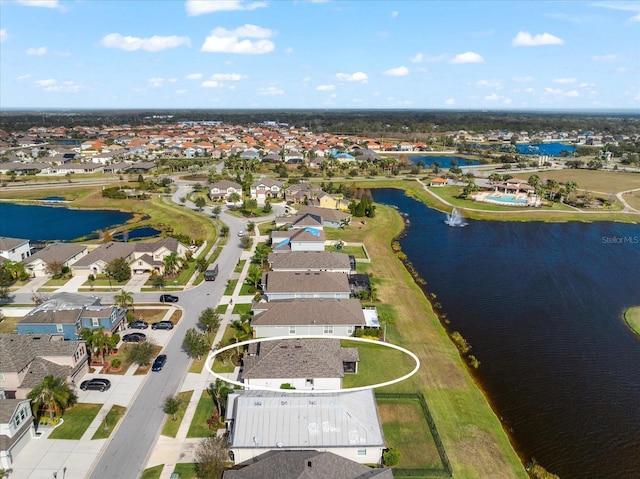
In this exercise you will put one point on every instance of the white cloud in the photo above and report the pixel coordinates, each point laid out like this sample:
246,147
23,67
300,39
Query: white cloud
434,59
37,51
54,86
172,80
24,77
623,6
270,91
227,76
211,84
417,58
397,72
353,77
450,101
288,50
47,82
394,14
492,97
230,41
194,76
3,34
564,80
572,93
151,44
489,84
525,39
529,90
605,58
553,91
467,57
325,87
156,82
635,18
200,7
40,3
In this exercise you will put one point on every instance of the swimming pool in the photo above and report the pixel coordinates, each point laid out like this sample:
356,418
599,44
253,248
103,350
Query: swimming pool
507,199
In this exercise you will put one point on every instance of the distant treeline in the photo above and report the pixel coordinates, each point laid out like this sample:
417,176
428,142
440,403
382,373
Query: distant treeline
413,124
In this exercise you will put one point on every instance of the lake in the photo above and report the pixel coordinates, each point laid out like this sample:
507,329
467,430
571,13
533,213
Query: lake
443,161
48,223
550,149
541,305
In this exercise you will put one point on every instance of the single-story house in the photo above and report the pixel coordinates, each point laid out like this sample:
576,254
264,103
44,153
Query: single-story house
265,188
327,217
64,253
278,285
301,363
14,249
307,239
97,260
16,429
330,317
346,424
438,182
223,189
306,464
25,359
329,261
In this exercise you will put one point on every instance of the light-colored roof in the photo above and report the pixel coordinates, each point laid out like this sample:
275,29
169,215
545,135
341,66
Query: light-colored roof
7,243
325,213
310,260
56,252
310,311
297,358
273,420
18,350
107,253
305,282
224,184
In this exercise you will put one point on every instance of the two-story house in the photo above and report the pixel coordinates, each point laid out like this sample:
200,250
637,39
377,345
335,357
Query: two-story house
278,285
16,429
302,239
266,188
223,189
14,249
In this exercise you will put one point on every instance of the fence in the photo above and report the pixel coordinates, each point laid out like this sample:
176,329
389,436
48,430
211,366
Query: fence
446,471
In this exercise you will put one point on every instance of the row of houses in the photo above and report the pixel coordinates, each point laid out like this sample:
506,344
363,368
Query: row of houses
306,291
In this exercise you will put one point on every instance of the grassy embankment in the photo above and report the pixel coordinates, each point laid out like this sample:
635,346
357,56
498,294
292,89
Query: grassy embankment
632,319
474,438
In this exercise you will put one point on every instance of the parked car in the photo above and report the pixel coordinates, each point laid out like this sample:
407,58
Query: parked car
240,233
139,324
158,364
162,325
168,298
95,384
134,338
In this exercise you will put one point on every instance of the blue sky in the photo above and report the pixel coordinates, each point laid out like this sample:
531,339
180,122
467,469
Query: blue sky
416,54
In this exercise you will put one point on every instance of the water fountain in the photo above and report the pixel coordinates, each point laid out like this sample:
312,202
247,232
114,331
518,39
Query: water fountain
455,219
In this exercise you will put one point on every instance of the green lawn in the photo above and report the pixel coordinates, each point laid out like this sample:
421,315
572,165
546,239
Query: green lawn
171,427
9,324
222,308
241,308
231,287
228,366
406,429
153,472
110,422
239,266
76,421
377,364
632,318
186,470
247,290
56,283
357,251
204,410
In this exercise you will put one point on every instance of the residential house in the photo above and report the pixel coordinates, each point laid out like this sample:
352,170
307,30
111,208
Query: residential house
25,360
330,317
345,424
302,239
65,254
330,201
14,249
149,257
265,188
66,314
311,261
328,218
16,429
303,364
278,285
300,192
438,182
221,190
97,260
306,464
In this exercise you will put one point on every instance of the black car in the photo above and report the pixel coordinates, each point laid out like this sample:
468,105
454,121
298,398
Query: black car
162,325
158,364
138,324
168,298
134,338
95,384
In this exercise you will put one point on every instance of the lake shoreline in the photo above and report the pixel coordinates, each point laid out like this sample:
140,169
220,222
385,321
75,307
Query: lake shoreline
632,319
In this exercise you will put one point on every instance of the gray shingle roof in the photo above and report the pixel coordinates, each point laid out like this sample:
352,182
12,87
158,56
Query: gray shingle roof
7,243
58,252
170,243
306,465
311,311
298,358
39,368
327,214
106,253
18,350
310,260
305,282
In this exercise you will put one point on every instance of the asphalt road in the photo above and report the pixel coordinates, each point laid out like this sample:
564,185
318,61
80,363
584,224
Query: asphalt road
128,450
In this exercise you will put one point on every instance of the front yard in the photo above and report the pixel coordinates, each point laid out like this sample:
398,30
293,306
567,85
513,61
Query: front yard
76,421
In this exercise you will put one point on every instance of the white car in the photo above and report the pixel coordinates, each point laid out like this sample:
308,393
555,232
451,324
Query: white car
240,233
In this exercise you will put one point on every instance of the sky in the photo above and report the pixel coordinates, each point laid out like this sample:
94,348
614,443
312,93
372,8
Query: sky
320,54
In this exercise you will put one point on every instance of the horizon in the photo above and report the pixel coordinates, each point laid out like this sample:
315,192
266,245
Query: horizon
320,55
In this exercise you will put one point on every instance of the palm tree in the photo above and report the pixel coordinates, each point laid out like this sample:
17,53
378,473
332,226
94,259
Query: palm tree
234,198
218,392
171,263
52,394
124,299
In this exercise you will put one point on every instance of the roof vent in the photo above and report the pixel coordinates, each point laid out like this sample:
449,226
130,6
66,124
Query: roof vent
309,464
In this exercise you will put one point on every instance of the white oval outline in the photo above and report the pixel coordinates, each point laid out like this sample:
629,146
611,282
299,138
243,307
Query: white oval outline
213,354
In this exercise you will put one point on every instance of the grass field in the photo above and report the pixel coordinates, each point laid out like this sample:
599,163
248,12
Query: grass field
186,470
109,423
231,287
204,410
9,324
594,180
76,421
377,364
170,427
632,318
153,472
633,199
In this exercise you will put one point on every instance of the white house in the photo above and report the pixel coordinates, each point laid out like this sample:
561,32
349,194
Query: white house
311,261
223,189
16,429
346,424
278,285
265,188
14,249
302,239
64,253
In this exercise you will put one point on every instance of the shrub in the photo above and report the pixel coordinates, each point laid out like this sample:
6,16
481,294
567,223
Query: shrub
116,363
391,457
